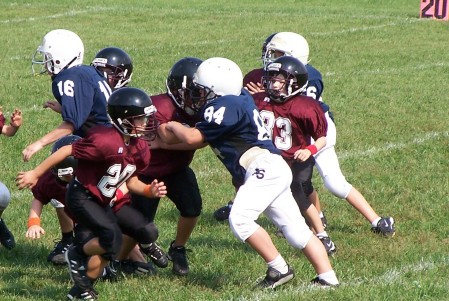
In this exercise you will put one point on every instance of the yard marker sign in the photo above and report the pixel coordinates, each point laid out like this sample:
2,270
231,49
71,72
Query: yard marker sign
436,9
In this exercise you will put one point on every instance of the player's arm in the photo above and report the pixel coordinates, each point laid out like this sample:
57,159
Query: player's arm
190,136
154,190
167,140
304,154
64,129
29,178
34,220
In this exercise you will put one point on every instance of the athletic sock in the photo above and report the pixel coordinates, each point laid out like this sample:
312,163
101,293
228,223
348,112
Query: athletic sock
322,234
329,277
374,223
279,264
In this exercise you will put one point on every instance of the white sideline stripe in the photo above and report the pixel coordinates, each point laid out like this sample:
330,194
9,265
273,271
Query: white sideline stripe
390,276
391,71
56,16
365,28
372,151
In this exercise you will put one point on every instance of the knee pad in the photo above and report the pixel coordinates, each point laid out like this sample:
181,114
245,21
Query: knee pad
300,197
297,238
111,240
308,188
146,234
5,196
81,237
242,227
337,185
191,211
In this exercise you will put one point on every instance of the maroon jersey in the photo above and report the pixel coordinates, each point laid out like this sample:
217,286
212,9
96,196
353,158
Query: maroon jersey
48,188
254,76
2,122
105,161
293,122
164,162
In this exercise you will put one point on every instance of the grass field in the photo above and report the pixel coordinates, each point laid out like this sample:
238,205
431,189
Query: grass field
386,79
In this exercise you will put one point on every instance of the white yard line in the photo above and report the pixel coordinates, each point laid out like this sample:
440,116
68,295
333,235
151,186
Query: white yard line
390,276
56,16
373,151
391,71
399,22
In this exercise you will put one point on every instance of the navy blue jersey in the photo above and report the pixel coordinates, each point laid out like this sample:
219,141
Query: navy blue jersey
315,86
232,125
83,94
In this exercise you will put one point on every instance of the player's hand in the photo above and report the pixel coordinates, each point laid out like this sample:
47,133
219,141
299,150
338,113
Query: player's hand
54,105
254,88
35,232
158,189
26,179
302,155
16,118
30,150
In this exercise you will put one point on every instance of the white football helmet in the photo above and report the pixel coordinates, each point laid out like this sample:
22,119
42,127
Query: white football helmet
289,43
215,77
5,196
60,49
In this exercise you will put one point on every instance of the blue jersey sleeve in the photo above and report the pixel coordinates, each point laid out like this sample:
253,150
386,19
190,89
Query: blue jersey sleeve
315,88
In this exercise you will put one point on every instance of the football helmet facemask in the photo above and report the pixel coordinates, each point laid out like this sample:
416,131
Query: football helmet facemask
132,113
180,79
265,43
115,64
289,44
294,78
60,49
67,166
215,77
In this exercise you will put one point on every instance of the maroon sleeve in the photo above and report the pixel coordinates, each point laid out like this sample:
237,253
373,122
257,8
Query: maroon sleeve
2,122
254,76
48,188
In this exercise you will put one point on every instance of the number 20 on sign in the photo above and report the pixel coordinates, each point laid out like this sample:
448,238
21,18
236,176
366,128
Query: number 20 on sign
436,9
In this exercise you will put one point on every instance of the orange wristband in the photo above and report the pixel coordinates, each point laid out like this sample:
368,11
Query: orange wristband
147,191
34,221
